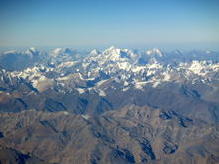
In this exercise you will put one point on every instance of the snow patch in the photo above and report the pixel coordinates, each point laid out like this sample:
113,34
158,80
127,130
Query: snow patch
125,89
155,84
101,93
101,82
80,90
85,116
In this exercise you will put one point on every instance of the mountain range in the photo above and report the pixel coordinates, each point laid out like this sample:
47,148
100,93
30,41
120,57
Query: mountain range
111,106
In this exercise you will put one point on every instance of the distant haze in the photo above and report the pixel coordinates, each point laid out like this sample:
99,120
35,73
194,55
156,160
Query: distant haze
101,23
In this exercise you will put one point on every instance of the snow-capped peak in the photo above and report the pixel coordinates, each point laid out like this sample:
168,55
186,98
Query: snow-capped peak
31,51
94,52
9,52
57,50
154,51
111,48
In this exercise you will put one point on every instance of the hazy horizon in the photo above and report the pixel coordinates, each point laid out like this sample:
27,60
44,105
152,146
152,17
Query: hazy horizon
86,24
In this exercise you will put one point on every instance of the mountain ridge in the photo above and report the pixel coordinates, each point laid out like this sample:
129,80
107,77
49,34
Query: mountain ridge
111,106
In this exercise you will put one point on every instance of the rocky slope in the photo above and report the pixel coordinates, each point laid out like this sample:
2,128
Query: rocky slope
130,135
111,106
96,82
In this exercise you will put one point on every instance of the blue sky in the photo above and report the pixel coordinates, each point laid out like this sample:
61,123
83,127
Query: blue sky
100,23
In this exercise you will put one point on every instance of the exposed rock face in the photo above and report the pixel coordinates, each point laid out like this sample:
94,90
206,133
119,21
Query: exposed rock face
9,155
96,82
130,135
115,106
